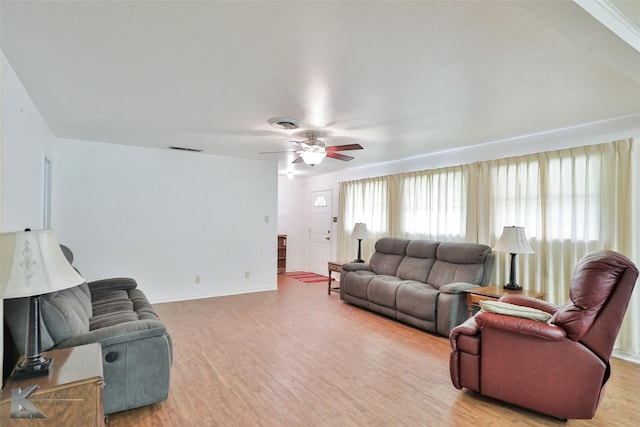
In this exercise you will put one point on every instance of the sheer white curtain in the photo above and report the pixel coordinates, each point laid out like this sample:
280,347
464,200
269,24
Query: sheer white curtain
512,190
557,197
570,202
433,204
365,201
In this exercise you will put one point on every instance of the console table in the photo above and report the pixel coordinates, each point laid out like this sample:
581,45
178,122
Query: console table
333,267
71,395
493,293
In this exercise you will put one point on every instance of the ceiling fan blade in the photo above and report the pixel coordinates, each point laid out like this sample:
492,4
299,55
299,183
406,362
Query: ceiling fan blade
344,147
275,152
301,144
339,156
298,160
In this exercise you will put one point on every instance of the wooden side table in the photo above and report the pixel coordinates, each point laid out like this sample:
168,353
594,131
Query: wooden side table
71,395
333,267
493,293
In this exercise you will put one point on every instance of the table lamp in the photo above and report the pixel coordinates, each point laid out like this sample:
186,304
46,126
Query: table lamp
359,232
514,242
32,264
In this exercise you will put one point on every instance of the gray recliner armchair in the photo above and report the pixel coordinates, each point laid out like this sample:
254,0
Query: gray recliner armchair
136,347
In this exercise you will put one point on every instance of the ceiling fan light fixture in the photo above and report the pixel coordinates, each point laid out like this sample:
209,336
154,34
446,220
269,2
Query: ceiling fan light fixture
312,158
284,123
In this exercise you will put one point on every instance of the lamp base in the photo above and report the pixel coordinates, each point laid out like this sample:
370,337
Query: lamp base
31,368
513,287
358,260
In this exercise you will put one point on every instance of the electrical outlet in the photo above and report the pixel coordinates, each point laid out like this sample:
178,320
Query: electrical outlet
247,275
197,280
266,218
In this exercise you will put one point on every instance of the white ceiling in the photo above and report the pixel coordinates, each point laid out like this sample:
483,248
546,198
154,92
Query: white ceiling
403,79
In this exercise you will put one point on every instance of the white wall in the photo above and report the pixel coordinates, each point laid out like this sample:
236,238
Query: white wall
25,140
164,217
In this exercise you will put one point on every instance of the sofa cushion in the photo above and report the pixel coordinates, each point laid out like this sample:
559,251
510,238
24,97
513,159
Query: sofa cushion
462,253
420,256
388,255
422,248
458,262
109,296
418,300
66,313
119,306
357,283
111,319
112,307
382,290
140,303
392,245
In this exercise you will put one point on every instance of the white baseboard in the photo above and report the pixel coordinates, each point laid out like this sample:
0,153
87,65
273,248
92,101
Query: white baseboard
626,356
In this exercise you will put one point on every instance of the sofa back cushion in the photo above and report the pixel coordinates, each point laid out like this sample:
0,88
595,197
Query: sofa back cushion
66,314
458,262
420,256
388,255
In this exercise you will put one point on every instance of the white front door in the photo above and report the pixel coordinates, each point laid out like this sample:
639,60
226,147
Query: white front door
320,241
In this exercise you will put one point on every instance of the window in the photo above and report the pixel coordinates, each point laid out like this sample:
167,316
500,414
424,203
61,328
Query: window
320,202
366,201
433,204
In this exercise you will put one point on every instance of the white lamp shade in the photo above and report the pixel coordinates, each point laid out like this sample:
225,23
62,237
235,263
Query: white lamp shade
513,241
312,157
32,263
359,231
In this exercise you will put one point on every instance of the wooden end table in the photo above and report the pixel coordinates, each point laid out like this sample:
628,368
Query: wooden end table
333,267
71,395
493,293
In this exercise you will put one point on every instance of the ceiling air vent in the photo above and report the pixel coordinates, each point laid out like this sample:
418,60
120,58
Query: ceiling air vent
195,150
284,123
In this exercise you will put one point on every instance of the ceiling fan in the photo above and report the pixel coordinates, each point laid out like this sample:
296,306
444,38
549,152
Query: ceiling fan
313,150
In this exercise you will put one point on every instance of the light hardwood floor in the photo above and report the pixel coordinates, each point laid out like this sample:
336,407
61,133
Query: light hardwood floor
299,357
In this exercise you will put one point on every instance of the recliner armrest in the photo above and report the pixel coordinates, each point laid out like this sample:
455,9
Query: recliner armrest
468,327
112,284
530,302
520,325
116,334
356,266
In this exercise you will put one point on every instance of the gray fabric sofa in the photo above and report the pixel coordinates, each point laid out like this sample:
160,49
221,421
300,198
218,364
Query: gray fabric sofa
136,347
418,282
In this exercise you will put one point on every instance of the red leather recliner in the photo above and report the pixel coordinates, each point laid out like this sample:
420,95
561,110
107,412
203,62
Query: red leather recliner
557,368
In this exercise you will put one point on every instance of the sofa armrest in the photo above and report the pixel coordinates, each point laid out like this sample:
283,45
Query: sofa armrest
124,332
112,284
530,302
520,325
456,287
356,266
